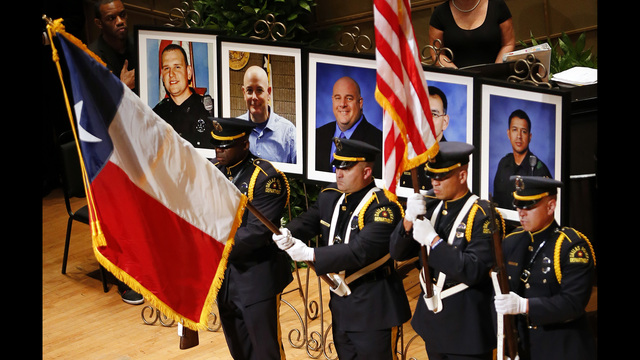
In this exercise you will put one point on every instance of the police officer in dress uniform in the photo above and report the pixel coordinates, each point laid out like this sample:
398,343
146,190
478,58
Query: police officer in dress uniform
354,219
551,274
257,271
456,322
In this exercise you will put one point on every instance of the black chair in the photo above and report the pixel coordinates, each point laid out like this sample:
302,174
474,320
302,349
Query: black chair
73,186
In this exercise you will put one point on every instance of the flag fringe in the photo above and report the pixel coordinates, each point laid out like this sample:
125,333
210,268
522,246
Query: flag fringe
201,324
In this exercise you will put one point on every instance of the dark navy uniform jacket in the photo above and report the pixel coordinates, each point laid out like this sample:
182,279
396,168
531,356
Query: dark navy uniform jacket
558,288
465,325
378,299
256,266
189,119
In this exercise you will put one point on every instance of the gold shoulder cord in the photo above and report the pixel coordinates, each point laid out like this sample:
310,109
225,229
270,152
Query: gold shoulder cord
556,251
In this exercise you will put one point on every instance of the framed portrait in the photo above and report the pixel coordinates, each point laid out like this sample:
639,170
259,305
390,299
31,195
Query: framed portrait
451,97
200,48
259,78
328,115
523,133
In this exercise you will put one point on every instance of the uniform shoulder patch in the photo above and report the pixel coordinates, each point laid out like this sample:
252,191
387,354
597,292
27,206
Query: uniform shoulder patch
579,255
383,214
273,186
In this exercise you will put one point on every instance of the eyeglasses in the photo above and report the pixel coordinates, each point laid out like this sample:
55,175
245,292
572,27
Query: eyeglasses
436,115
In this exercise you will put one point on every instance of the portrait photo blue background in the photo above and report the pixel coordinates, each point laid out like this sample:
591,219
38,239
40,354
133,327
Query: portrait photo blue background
328,74
543,131
200,66
456,108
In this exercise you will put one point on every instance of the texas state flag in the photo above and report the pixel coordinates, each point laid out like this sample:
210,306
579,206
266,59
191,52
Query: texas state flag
164,216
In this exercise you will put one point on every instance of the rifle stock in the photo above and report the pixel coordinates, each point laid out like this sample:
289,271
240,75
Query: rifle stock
510,331
189,338
423,249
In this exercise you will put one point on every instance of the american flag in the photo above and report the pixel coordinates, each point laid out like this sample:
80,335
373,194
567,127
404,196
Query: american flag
401,90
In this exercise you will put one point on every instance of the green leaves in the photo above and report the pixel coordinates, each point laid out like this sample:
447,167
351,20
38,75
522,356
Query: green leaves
237,17
566,54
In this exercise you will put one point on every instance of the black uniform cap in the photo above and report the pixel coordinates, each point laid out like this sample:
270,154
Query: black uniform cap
450,156
227,130
530,189
349,152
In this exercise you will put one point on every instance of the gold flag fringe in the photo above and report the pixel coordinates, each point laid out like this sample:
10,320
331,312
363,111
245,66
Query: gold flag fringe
55,27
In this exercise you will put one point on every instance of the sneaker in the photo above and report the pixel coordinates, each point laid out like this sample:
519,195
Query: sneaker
131,297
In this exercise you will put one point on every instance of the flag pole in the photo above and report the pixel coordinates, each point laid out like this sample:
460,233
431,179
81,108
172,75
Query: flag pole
423,249
276,231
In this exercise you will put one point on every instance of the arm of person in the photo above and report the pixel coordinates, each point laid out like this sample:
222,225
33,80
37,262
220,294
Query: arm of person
435,34
508,39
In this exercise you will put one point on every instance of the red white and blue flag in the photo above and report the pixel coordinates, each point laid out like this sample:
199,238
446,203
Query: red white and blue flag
163,216
401,90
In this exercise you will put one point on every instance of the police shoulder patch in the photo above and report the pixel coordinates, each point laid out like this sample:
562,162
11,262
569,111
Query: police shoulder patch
273,186
383,214
579,255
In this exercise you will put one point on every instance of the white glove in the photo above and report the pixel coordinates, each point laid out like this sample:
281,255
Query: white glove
416,205
423,232
510,304
284,240
342,289
299,251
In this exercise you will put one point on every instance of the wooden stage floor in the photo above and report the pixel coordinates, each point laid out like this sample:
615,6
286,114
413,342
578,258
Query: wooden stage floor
80,321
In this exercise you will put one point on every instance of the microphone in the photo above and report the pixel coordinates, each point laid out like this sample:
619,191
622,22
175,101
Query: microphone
533,160
208,104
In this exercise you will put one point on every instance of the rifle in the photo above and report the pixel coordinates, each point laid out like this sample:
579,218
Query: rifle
510,337
423,249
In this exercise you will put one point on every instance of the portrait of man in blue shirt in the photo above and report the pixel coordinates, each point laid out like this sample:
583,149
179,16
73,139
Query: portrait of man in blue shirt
274,137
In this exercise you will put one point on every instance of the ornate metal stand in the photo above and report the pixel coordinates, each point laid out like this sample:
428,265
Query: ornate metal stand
529,71
438,51
354,40
151,315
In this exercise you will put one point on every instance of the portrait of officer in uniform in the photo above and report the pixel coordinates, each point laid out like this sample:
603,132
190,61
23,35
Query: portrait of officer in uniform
354,219
257,270
453,224
551,272
183,108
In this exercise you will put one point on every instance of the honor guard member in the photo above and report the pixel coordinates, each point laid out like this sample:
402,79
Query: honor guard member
453,224
188,112
257,271
354,219
551,275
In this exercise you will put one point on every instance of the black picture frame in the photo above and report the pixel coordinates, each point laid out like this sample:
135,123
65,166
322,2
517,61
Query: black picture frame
235,55
548,110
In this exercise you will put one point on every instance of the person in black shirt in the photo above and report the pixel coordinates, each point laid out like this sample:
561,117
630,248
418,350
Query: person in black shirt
116,48
114,45
476,31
